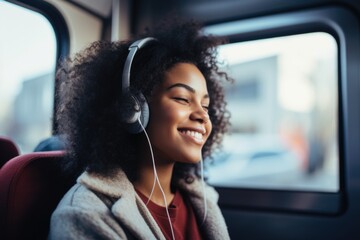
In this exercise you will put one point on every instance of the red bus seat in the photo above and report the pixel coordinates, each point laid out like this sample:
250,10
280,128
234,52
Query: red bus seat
8,150
31,185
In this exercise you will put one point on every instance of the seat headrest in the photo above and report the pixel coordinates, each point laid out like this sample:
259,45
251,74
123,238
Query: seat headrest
8,150
31,185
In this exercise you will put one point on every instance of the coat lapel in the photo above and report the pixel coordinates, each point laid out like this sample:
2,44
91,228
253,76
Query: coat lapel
136,218
128,208
214,226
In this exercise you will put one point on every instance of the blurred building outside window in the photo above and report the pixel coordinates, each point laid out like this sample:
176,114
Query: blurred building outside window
284,115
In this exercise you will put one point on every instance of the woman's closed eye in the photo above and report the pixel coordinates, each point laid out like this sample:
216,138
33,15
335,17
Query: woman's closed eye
206,108
187,101
181,99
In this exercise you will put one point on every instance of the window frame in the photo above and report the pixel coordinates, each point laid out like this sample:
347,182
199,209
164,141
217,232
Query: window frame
332,20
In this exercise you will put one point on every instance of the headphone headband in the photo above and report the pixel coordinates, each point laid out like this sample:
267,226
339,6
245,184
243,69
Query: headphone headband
134,107
134,47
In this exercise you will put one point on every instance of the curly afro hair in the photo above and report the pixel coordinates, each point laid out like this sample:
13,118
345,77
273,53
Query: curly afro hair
90,96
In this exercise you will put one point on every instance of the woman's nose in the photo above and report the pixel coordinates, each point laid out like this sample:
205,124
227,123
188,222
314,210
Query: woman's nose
200,115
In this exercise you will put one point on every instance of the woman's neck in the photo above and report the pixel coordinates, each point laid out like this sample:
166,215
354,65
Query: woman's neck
145,181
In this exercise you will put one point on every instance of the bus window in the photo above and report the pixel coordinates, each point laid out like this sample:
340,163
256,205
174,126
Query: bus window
284,115
27,66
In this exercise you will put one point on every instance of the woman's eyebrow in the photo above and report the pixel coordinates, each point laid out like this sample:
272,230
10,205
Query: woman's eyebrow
187,87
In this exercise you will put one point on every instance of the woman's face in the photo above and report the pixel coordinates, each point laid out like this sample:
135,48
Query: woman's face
179,123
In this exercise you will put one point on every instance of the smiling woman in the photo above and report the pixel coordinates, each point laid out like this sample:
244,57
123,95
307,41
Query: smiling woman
148,180
179,108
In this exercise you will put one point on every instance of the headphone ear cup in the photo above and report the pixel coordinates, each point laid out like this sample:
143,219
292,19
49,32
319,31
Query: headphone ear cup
145,114
135,107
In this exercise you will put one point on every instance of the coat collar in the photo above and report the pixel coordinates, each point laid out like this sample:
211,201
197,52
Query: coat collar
213,226
135,216
113,186
128,207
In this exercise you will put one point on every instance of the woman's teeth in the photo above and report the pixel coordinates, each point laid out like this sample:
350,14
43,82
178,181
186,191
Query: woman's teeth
193,134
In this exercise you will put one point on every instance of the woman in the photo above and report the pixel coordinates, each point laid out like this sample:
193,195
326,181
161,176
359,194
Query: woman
142,182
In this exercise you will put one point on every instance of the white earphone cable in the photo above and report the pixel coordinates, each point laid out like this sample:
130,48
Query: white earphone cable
153,163
156,179
203,189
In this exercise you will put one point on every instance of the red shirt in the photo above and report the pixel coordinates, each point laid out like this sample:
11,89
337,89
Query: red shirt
181,214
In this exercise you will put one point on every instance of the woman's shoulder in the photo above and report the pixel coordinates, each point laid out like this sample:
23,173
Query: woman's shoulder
82,214
96,192
80,198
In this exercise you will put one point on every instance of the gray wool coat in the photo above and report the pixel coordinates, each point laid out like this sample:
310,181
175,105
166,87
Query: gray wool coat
100,207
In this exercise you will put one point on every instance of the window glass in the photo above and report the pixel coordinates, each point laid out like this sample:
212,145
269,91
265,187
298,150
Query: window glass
284,115
27,65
